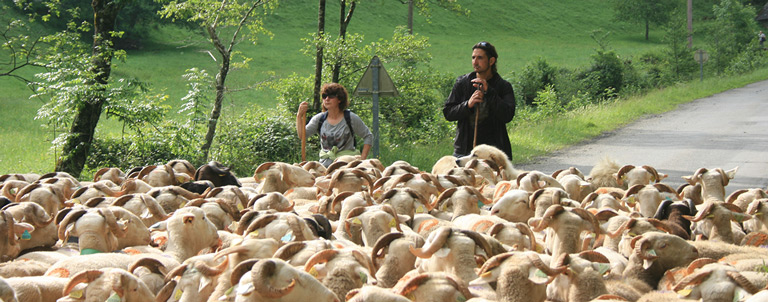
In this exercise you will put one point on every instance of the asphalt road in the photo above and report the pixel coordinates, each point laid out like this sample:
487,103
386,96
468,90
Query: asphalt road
726,130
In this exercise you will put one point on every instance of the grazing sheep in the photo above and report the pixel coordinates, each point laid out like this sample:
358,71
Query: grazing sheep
519,276
456,252
37,289
218,174
712,182
108,283
629,176
512,206
433,287
654,253
189,232
274,280
392,250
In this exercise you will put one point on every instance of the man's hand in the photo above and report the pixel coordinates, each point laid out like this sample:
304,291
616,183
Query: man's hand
477,97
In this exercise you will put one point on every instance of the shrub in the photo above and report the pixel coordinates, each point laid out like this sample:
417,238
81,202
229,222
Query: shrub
258,136
535,77
606,72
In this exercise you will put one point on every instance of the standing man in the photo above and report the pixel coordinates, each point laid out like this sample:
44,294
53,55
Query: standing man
481,99
761,38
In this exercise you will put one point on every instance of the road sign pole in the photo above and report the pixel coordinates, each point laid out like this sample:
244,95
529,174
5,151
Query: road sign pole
375,64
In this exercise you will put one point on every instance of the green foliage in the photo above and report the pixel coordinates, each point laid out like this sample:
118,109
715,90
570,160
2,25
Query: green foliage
678,56
657,12
533,78
731,32
606,73
748,60
259,136
547,103
197,101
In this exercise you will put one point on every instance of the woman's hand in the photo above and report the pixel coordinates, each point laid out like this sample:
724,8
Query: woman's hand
303,107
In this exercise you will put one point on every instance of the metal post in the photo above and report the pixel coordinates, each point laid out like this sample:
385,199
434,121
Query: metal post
375,64
701,65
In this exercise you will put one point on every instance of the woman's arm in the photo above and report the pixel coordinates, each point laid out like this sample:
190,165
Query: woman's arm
366,149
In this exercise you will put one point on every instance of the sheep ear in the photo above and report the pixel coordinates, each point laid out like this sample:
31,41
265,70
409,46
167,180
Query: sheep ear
314,209
689,180
403,218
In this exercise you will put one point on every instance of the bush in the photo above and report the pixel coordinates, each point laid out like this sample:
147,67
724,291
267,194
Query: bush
164,143
534,78
605,73
258,136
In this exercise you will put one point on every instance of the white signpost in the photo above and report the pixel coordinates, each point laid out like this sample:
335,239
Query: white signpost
376,82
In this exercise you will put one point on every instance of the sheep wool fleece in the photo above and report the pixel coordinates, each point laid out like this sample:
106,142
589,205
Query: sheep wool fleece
338,135
497,109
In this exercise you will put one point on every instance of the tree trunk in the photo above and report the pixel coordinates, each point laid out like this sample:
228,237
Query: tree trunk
646,29
343,23
78,144
319,56
410,17
221,78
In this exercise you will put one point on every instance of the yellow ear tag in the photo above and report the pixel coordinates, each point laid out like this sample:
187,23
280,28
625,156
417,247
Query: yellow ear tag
240,207
313,272
420,209
684,292
710,216
76,294
357,221
178,294
392,223
229,291
180,179
411,297
183,203
254,234
364,278
76,201
631,200
486,274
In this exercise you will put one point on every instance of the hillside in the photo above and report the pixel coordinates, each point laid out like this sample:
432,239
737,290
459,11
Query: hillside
521,30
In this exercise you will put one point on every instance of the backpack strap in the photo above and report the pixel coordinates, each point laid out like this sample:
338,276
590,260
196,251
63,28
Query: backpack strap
347,117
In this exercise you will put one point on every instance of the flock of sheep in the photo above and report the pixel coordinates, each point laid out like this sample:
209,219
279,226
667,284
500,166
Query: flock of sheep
471,229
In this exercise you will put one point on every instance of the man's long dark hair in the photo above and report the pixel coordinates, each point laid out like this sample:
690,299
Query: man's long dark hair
490,51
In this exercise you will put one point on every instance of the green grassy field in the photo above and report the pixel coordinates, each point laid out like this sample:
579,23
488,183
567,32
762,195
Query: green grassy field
558,31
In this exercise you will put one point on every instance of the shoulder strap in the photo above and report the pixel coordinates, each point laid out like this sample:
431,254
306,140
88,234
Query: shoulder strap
348,118
323,117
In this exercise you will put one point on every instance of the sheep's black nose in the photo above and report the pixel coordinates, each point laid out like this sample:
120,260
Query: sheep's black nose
458,163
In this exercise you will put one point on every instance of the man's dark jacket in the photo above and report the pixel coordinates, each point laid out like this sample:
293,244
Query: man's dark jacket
497,109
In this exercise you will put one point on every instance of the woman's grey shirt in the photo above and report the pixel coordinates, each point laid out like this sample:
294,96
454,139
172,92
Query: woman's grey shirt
339,135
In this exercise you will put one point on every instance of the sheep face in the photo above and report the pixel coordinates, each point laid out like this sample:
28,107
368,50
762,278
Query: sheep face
513,206
654,253
275,280
396,260
190,231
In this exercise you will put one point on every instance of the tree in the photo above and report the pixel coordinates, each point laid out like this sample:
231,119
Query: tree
734,27
319,56
655,12
423,7
218,18
76,78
